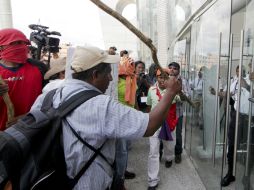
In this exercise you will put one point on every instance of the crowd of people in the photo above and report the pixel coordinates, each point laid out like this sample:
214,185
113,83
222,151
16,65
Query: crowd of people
117,124
147,105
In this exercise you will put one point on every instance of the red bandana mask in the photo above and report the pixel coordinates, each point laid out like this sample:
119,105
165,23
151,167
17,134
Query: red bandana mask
15,53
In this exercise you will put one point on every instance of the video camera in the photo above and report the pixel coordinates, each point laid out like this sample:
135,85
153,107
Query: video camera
142,75
45,43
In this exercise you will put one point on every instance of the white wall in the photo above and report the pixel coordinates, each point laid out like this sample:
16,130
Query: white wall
115,34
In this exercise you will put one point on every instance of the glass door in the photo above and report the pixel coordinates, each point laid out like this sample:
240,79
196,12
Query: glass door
208,70
181,56
244,156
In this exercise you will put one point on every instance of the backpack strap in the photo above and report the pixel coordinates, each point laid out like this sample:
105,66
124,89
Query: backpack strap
65,108
75,101
48,101
89,146
97,152
70,104
90,161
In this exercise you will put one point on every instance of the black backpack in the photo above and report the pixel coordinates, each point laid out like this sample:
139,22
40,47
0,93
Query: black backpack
31,153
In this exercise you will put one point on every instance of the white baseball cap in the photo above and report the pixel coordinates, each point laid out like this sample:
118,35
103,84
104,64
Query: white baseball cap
87,57
56,66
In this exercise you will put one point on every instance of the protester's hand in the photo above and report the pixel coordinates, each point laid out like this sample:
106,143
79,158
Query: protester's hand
244,83
251,76
13,121
182,97
212,90
173,84
3,89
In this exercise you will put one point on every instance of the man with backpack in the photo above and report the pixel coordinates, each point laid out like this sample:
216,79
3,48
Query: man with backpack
23,79
90,130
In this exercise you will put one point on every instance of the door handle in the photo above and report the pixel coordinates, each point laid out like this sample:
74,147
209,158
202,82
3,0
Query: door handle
228,100
238,100
216,105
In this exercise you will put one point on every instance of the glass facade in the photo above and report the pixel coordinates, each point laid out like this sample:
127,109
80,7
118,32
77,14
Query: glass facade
189,7
209,52
207,123
245,143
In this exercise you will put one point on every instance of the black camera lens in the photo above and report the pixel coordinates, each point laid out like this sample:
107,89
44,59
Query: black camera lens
142,75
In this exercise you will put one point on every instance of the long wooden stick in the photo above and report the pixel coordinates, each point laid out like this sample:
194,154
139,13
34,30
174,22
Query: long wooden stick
131,27
139,34
9,104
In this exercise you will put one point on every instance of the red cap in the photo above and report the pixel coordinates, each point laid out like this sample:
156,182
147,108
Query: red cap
10,35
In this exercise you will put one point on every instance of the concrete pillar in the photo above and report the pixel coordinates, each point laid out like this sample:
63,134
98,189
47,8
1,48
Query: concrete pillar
162,31
172,29
5,14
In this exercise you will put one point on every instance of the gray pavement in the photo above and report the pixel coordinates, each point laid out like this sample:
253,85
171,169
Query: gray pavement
179,177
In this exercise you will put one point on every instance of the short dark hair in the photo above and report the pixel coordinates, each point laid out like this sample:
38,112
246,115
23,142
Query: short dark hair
86,75
174,64
152,70
113,47
55,76
123,52
139,62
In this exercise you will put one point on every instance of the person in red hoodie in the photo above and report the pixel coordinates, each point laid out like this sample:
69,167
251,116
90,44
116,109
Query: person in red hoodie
23,80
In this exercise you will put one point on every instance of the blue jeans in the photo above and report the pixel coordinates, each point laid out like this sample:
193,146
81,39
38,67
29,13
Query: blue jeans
179,138
121,159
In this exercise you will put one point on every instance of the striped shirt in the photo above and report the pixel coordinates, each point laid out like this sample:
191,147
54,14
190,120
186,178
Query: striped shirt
97,120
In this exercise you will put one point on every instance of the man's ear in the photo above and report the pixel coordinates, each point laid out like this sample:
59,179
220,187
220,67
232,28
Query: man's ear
95,74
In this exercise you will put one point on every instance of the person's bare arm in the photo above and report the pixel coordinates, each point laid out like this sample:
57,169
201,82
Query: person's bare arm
159,113
220,94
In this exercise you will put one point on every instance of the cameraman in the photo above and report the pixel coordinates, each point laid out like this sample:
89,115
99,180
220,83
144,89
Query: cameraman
45,44
142,86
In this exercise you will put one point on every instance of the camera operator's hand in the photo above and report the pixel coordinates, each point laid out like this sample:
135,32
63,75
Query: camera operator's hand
131,61
251,76
244,84
3,89
212,90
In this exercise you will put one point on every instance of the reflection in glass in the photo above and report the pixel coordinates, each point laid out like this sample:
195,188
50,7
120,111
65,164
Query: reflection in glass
205,54
245,149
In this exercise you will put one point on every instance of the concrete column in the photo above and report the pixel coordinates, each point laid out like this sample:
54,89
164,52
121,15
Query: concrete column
172,29
162,31
5,14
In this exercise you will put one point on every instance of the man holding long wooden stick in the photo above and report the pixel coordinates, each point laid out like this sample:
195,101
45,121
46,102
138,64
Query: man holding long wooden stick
140,35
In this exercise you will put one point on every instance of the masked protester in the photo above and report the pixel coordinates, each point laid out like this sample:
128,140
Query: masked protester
23,79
